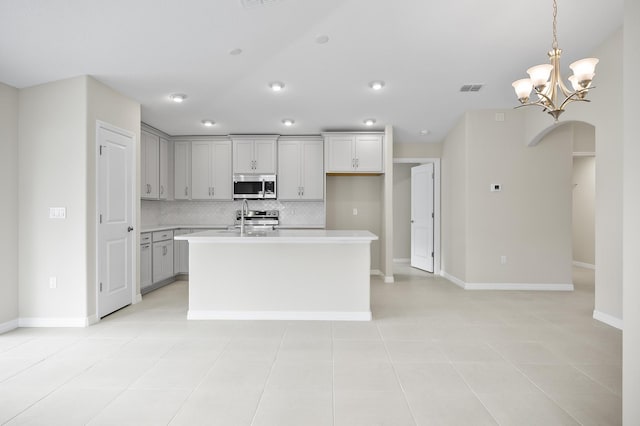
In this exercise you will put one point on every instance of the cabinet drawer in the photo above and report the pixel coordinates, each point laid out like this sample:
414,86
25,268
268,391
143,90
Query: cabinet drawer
162,235
145,238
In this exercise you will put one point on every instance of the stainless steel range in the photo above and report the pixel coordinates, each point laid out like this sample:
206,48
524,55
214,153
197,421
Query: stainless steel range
261,219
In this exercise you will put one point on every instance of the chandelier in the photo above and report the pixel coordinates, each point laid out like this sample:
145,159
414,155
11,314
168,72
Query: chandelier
553,95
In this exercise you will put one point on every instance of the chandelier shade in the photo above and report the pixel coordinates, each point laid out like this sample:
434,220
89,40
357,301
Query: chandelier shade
546,81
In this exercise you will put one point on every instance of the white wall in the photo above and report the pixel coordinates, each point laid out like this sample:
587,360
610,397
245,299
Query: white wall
631,216
53,173
417,150
9,206
107,105
583,222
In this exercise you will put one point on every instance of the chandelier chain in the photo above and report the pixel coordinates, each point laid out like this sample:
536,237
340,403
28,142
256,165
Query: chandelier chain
555,23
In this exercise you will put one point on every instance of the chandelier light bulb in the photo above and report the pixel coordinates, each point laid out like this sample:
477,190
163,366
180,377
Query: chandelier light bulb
523,89
540,75
584,70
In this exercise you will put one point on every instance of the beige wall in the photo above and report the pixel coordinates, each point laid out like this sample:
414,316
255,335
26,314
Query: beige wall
53,173
402,210
107,105
344,193
9,204
583,222
529,221
57,169
454,201
417,150
631,216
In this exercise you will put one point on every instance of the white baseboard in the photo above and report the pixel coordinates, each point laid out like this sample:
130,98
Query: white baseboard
507,286
455,280
55,322
138,298
402,260
279,315
8,326
584,265
389,279
376,272
93,319
608,319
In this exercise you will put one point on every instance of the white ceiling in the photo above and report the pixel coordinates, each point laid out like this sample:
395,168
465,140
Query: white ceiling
424,50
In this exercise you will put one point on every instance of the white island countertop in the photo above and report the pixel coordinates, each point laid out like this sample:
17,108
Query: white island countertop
280,236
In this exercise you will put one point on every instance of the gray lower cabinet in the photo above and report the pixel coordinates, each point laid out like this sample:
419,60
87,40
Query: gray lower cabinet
181,253
162,255
146,277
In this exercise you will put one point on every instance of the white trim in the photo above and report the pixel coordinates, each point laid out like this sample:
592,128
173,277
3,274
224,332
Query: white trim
8,326
389,279
376,272
455,280
92,319
412,160
280,315
584,154
55,322
137,298
584,265
402,260
608,319
519,286
507,286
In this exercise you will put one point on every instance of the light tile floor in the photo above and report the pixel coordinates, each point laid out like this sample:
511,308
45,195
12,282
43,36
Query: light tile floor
434,355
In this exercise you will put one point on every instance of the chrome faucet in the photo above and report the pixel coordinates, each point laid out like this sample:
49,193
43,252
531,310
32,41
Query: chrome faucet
243,212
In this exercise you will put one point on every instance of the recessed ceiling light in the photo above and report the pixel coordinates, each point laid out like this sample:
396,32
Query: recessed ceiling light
322,39
235,52
424,132
208,123
376,84
288,122
276,86
178,97
369,122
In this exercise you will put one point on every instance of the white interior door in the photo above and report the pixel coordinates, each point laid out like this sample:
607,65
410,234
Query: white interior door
422,217
116,241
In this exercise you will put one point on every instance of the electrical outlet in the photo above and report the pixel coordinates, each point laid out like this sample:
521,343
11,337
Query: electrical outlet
53,282
355,211
503,259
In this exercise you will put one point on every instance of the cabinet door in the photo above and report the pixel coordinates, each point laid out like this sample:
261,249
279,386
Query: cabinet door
158,255
182,170
312,170
289,186
149,162
264,156
243,161
167,260
163,172
145,266
341,156
181,253
369,153
221,186
201,170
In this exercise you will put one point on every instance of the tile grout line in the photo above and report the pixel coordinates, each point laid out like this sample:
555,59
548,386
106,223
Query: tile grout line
395,372
204,376
264,386
534,383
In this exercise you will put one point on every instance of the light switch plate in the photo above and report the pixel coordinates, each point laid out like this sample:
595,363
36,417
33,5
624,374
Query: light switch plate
57,212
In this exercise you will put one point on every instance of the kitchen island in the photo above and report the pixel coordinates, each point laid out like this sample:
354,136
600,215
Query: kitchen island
280,275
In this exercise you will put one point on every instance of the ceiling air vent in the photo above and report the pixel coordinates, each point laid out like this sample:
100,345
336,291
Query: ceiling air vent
250,4
471,88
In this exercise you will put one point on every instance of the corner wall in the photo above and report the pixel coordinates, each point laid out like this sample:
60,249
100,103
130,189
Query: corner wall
8,207
53,173
109,106
631,217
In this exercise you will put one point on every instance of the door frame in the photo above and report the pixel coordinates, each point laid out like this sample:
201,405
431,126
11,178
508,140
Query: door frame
135,297
436,204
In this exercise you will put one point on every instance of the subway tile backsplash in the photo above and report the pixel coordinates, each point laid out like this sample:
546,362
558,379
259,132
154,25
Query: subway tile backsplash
216,213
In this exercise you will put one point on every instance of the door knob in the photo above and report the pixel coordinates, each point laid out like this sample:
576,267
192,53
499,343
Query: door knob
129,229
412,221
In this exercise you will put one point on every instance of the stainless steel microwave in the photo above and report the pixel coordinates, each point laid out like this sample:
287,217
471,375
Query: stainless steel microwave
254,187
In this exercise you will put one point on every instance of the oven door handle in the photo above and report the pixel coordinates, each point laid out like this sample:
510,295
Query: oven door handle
263,192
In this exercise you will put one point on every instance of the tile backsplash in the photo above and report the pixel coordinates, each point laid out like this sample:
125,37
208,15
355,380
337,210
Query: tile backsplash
215,213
